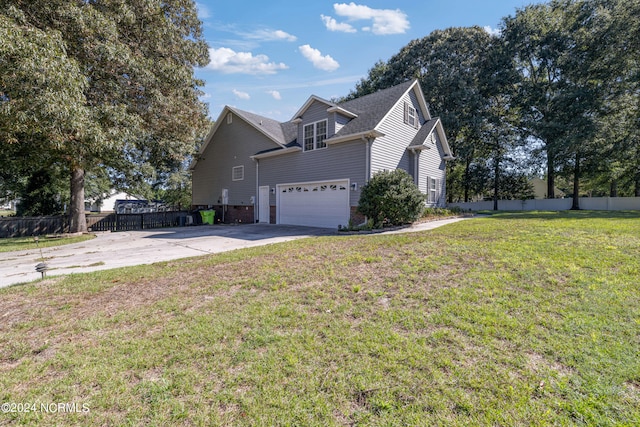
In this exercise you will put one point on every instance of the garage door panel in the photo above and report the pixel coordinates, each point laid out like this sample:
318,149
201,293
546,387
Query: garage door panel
323,204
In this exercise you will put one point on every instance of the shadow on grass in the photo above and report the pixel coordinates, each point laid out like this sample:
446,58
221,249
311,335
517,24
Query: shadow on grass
550,215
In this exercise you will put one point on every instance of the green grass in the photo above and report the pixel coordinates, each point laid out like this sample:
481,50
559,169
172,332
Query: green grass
509,320
25,243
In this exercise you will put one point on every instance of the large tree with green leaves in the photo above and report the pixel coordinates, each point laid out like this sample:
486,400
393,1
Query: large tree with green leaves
574,97
556,48
618,51
42,102
112,82
449,64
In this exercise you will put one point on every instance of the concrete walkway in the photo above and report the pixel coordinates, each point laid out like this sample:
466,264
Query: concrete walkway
122,249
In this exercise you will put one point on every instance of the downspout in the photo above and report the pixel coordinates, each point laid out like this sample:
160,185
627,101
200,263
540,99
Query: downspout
256,202
367,167
416,165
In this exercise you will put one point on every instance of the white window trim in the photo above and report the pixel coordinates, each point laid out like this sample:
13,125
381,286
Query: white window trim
315,135
229,118
240,169
410,115
432,190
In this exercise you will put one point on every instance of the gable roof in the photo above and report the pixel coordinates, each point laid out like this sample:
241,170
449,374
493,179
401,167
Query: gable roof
366,113
307,104
426,129
271,128
372,108
280,133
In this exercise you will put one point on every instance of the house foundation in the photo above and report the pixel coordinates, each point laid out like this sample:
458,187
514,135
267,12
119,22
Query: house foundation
230,214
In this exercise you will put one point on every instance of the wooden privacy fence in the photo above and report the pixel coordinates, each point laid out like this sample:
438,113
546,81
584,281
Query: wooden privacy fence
33,226
37,226
128,222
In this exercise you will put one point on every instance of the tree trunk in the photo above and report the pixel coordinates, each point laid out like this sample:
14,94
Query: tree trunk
77,218
551,177
613,191
575,205
467,167
496,173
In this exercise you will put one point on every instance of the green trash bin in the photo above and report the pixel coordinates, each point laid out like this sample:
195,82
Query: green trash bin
207,216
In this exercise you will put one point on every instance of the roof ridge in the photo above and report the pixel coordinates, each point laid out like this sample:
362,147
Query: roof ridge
250,114
380,92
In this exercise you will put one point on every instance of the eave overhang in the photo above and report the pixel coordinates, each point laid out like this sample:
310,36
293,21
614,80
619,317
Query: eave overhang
275,153
369,134
418,147
342,111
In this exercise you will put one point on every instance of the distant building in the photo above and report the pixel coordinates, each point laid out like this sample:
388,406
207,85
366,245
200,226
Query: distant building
109,203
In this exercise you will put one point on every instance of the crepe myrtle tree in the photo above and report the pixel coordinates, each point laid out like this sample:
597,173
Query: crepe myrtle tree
391,198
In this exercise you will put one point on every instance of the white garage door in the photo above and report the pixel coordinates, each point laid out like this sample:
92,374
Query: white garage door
316,204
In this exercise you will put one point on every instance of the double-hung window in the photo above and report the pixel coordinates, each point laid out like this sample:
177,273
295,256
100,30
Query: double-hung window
410,115
432,184
315,135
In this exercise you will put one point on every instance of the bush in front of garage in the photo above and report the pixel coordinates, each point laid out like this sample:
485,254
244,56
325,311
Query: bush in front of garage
391,198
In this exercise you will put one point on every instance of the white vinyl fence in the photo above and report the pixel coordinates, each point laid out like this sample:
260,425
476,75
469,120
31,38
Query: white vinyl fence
587,203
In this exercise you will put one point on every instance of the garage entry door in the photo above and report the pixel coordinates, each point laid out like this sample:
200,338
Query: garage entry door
314,204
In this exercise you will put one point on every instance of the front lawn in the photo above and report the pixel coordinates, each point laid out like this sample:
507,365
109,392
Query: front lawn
513,319
11,244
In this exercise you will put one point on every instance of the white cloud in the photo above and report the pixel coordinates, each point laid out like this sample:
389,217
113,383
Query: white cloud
491,31
281,35
271,35
241,95
385,21
325,63
229,61
275,94
333,25
203,11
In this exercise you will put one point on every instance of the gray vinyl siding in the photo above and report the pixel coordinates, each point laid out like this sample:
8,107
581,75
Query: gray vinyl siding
339,161
340,121
431,165
232,145
317,111
390,151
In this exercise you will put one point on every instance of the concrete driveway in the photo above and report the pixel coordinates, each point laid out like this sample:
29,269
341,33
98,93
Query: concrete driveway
122,249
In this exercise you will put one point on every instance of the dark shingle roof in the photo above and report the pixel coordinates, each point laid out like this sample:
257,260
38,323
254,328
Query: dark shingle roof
372,108
424,132
272,128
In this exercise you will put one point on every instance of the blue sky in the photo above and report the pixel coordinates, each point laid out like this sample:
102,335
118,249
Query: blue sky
270,57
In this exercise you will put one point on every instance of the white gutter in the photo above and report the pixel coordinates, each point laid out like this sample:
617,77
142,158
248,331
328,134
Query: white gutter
275,153
355,136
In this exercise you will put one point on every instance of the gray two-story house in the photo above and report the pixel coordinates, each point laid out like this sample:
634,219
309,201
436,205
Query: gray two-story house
310,170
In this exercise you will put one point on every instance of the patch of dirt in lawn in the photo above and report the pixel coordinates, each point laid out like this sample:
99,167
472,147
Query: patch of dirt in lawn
632,391
539,364
53,313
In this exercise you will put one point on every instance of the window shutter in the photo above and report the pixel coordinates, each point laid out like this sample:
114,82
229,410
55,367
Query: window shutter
406,112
